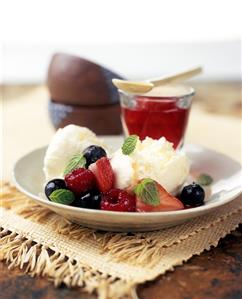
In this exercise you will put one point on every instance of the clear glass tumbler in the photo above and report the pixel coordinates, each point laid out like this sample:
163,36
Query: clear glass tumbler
162,112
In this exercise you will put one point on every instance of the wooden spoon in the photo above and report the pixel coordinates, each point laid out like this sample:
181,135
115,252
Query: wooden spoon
145,86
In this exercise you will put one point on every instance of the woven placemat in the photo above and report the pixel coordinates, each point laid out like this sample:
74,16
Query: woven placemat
43,243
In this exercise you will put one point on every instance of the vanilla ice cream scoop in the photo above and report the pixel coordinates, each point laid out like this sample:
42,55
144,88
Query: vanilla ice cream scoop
155,159
67,142
122,166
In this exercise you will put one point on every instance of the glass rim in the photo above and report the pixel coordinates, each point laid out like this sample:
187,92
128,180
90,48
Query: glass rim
145,97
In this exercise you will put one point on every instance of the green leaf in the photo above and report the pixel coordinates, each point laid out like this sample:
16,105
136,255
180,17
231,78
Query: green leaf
63,196
75,162
129,144
147,191
204,179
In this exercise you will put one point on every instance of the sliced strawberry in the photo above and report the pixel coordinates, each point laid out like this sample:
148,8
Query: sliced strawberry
152,197
103,173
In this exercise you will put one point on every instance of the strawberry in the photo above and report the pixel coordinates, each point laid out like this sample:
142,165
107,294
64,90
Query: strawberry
152,197
103,173
80,180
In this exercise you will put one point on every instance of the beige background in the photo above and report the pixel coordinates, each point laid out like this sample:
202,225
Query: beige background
215,120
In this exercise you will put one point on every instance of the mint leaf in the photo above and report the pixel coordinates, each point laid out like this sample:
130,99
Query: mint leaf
204,179
129,144
147,191
75,162
63,196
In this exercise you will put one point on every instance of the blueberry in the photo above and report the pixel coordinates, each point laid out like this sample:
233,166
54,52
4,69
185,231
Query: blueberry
54,185
92,153
192,195
88,200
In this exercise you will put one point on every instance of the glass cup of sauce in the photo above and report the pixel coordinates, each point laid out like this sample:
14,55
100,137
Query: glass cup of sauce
164,111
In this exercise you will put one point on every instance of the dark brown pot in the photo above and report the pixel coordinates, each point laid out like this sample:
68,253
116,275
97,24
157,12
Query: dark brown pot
77,81
103,120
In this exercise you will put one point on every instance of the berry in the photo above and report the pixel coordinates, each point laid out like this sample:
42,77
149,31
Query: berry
80,180
118,200
88,200
152,197
92,153
53,185
192,195
103,173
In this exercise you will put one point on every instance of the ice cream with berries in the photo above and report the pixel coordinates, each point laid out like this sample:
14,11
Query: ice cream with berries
141,176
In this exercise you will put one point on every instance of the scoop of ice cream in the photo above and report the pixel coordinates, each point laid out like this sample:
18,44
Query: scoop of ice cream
123,169
157,159
67,142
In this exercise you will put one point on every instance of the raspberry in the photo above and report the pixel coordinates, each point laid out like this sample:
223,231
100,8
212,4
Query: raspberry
80,180
119,201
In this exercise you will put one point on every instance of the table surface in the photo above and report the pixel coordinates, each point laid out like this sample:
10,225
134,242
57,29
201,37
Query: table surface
214,274
215,122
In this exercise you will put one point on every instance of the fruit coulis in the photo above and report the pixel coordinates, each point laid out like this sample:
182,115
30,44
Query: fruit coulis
156,118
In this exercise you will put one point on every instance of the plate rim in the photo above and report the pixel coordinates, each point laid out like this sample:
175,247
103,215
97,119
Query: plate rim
228,196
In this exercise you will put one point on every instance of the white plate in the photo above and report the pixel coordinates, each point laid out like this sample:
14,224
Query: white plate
227,175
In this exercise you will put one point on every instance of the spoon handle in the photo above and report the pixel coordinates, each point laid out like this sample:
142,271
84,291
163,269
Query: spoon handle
181,76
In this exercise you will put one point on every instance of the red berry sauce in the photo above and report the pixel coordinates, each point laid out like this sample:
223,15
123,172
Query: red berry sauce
156,119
